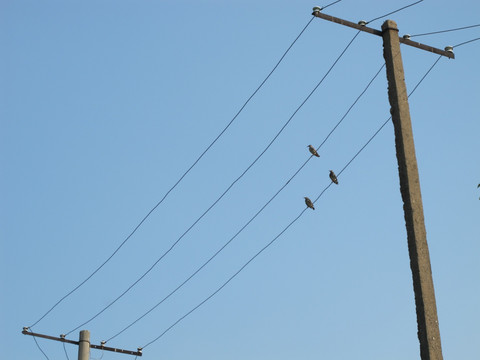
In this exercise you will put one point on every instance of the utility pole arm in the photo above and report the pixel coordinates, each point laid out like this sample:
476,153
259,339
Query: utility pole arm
362,27
26,331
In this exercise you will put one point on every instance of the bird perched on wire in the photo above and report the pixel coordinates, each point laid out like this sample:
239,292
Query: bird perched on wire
313,151
309,203
333,177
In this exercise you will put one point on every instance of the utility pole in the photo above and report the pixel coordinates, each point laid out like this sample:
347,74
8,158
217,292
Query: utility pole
426,308
83,343
428,330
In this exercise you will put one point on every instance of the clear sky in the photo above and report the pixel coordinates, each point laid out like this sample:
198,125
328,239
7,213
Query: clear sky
105,104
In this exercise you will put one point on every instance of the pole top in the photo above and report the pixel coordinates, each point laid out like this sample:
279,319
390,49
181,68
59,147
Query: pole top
84,335
389,25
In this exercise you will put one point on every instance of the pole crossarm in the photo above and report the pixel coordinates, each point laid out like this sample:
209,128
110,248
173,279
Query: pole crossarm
362,27
98,347
347,23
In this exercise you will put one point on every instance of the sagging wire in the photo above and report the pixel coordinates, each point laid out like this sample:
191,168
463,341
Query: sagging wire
175,185
393,12
251,219
444,31
288,226
224,193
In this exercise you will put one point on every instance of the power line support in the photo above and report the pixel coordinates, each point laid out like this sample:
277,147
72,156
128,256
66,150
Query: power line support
84,344
426,308
427,321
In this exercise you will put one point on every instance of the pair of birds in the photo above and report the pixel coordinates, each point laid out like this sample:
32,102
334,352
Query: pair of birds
332,175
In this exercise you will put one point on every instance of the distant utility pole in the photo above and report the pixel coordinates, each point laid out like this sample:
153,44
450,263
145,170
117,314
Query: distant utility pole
427,321
83,343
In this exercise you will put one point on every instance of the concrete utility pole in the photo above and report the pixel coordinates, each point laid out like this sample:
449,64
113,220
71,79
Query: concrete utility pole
84,345
428,330
426,308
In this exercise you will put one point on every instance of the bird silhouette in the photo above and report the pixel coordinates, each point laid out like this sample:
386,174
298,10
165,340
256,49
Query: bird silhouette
309,203
333,177
313,151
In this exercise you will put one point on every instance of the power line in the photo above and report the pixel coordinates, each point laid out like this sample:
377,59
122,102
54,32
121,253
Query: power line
230,279
225,192
249,221
39,348
358,98
424,76
393,12
178,181
444,31
333,3
288,226
466,42
385,123
65,350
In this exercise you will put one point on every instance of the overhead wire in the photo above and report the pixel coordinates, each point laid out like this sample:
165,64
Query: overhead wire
393,12
226,282
178,181
100,358
386,122
65,350
333,3
251,219
225,192
466,42
287,227
444,31
39,348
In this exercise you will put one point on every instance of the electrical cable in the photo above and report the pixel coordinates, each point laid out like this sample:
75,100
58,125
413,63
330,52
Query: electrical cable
65,350
358,98
100,358
229,279
385,123
444,31
178,181
333,3
39,348
393,12
466,42
288,226
225,192
251,219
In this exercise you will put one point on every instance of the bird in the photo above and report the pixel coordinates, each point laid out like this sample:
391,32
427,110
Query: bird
313,151
333,177
309,203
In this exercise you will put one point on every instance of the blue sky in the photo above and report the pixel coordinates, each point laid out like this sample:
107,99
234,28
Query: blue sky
105,104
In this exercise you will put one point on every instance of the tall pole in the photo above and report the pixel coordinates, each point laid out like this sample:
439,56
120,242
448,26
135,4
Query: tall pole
427,321
84,345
